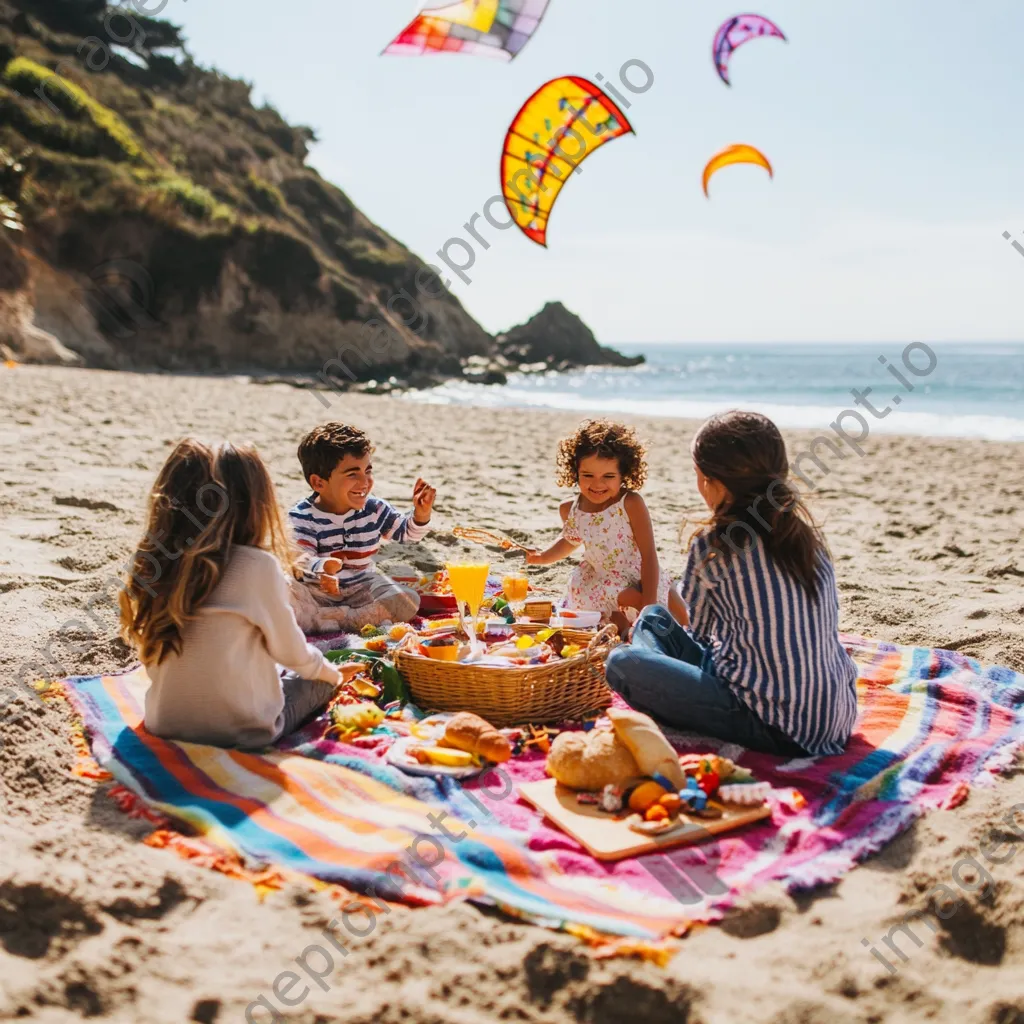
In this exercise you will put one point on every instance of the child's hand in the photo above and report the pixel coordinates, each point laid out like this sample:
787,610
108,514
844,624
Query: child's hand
423,500
534,557
347,671
329,584
338,675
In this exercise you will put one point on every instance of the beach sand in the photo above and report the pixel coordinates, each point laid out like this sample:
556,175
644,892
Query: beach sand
928,537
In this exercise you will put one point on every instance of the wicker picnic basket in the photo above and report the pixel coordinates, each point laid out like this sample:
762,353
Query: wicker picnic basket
518,695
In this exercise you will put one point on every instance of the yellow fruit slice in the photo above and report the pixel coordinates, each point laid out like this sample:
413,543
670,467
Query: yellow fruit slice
448,757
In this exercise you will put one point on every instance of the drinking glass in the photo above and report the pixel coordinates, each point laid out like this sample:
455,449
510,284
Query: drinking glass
515,587
468,581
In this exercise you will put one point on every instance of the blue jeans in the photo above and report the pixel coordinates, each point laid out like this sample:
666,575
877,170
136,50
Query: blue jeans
665,673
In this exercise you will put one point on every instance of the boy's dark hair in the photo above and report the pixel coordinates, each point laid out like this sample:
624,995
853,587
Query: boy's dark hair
325,446
607,441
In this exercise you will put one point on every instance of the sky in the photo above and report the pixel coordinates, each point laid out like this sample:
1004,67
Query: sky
894,129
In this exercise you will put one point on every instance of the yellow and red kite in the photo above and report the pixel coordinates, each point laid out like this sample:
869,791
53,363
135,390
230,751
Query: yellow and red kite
556,129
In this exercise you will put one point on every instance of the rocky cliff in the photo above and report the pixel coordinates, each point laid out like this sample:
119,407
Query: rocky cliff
154,217
561,339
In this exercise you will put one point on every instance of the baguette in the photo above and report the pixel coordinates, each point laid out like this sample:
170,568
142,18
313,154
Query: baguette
469,732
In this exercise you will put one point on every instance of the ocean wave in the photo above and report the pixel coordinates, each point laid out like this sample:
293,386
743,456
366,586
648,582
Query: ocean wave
807,417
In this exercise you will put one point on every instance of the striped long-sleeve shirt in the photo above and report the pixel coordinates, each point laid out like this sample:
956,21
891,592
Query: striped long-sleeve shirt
353,538
775,645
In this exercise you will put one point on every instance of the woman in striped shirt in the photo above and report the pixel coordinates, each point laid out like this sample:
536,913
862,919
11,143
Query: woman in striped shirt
759,662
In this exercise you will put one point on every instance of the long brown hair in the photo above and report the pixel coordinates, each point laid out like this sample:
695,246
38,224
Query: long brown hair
203,501
745,452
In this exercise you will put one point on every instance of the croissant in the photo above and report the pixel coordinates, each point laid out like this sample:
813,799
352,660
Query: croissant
469,732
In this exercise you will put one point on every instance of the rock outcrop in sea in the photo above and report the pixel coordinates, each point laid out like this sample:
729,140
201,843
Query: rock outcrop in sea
559,338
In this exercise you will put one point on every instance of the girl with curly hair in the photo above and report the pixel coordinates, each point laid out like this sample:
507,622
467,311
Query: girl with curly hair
619,574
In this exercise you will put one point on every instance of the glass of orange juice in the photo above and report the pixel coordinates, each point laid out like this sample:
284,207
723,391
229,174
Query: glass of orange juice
515,587
468,581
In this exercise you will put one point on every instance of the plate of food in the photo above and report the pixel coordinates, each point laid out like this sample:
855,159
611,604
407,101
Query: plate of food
424,757
576,618
457,745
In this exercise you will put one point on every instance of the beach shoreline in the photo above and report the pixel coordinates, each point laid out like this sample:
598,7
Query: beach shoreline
928,540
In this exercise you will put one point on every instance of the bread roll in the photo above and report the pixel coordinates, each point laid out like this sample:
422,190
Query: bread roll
469,732
646,742
589,761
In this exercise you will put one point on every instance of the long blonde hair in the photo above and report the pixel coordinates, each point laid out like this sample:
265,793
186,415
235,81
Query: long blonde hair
204,500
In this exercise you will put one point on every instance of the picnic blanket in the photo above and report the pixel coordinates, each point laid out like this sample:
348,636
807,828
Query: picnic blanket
931,724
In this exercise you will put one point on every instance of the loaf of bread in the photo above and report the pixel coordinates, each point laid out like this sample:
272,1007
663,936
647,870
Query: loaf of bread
589,761
469,732
646,742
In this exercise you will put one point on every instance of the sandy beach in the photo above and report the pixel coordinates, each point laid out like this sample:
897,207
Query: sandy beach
928,538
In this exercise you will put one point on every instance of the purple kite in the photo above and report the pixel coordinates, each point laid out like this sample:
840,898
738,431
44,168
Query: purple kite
737,31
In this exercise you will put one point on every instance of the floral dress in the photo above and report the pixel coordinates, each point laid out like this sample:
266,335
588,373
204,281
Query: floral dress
611,559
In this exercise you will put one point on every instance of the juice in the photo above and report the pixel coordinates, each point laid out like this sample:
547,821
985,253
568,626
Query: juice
468,581
515,588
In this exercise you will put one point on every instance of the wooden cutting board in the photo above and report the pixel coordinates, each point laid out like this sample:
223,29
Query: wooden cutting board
608,837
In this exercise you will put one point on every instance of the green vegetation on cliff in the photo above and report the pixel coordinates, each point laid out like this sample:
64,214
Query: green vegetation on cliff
135,153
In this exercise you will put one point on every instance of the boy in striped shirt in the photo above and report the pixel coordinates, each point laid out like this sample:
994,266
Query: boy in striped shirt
340,527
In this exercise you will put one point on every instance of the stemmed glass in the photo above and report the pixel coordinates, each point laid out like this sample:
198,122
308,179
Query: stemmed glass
515,587
468,582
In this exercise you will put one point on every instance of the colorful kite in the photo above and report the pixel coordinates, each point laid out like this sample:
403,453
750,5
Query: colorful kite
492,28
735,155
737,31
556,129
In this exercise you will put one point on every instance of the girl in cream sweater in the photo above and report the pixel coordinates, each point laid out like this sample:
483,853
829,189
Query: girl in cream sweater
206,605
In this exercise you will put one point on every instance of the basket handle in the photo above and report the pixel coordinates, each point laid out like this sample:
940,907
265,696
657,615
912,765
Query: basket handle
605,638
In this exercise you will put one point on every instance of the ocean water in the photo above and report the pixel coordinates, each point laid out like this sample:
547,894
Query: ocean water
972,390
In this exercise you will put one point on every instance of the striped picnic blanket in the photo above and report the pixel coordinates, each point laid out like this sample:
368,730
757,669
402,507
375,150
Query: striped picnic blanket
931,724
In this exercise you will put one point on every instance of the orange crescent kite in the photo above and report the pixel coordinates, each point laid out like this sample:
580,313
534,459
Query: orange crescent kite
735,155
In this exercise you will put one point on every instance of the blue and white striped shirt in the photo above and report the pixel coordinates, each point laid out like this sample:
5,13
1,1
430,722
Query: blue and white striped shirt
776,646
354,537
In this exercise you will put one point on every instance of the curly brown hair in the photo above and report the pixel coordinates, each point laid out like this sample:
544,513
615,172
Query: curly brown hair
325,446
606,440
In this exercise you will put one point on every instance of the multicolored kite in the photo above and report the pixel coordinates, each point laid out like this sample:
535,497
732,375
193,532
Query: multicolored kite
492,28
556,129
735,155
737,31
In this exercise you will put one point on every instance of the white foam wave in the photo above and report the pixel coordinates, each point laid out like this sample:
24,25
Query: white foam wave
808,417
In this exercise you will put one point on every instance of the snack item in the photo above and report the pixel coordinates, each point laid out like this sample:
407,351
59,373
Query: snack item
443,756
672,802
749,794
591,760
646,742
442,648
646,795
379,644
469,732
400,630
656,813
353,718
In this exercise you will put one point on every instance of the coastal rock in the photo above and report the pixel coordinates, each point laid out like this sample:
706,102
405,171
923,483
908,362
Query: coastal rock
556,337
170,223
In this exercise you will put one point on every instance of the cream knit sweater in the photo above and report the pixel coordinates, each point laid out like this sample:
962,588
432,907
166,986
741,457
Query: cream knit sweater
225,686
